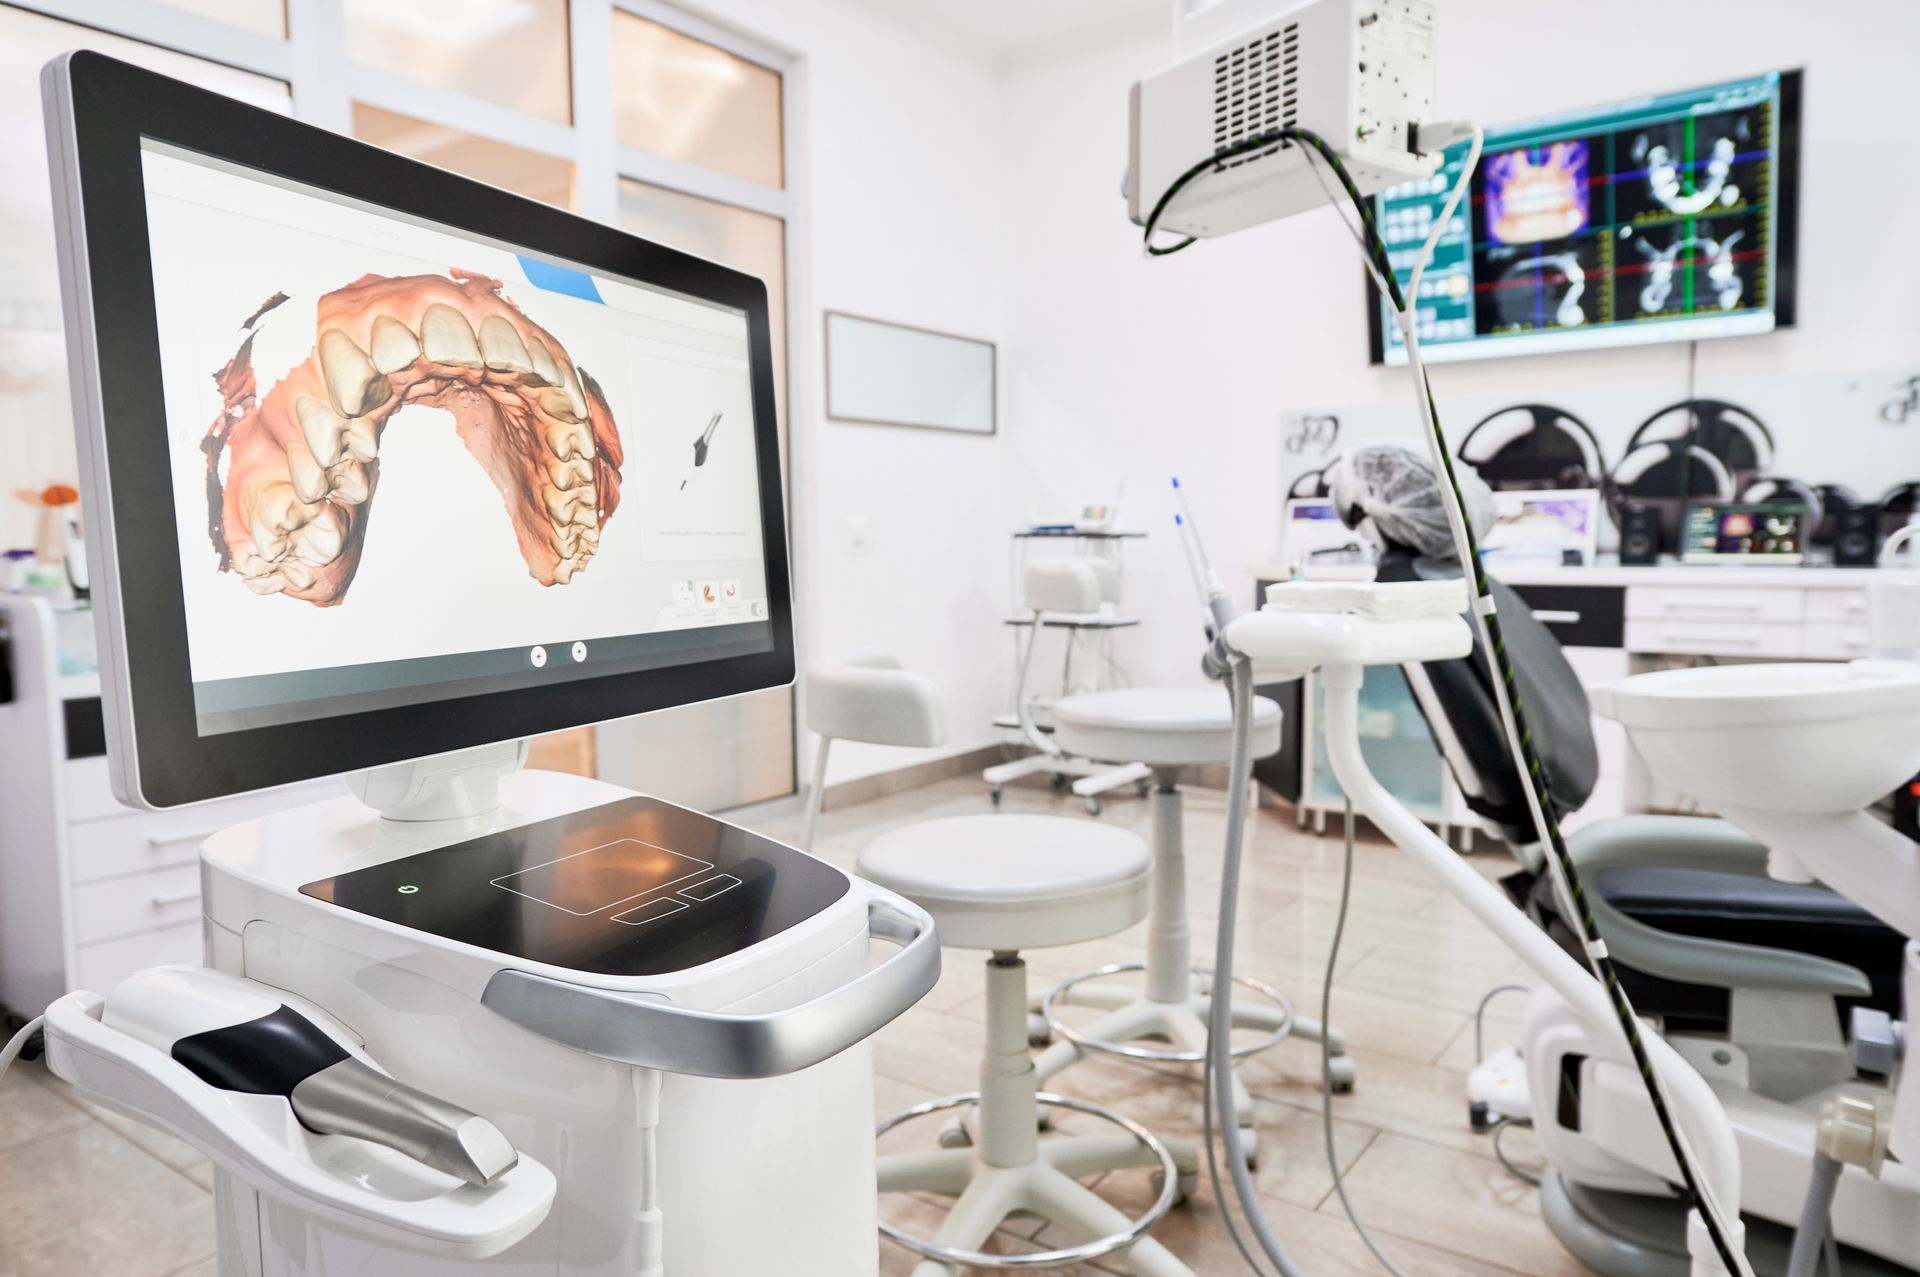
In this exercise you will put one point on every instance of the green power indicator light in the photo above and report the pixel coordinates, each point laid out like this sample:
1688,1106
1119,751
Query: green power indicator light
408,889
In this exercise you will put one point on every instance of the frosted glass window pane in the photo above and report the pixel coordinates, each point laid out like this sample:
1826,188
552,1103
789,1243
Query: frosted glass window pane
513,168
737,237
36,424
684,99
514,52
268,17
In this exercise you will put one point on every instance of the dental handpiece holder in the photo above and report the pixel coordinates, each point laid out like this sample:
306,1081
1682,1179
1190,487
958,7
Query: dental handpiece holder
282,1096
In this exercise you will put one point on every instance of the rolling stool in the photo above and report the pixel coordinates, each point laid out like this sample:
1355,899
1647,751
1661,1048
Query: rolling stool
1001,883
1004,884
1168,728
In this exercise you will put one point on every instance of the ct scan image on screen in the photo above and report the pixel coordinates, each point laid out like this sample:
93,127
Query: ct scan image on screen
410,463
1651,220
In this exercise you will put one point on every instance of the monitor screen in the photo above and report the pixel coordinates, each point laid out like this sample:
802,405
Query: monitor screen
380,462
408,460
1715,533
1664,218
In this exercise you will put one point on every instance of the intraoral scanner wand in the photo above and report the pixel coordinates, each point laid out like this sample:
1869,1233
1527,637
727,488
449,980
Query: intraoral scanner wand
700,446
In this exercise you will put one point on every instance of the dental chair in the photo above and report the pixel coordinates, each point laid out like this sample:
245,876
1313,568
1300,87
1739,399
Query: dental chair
1777,991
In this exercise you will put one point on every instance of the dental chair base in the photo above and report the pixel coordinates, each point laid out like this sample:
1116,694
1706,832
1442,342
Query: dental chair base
658,1063
1611,1205
1791,754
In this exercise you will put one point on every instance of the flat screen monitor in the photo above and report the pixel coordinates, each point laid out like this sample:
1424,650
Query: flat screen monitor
381,462
1743,533
1663,218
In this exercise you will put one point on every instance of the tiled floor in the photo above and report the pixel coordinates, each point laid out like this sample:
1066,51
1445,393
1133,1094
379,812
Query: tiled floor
83,1192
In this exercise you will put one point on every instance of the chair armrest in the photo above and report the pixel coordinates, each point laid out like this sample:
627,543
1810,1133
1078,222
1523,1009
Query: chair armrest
1691,842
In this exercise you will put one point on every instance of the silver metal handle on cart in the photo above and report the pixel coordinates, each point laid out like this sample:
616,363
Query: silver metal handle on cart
651,1033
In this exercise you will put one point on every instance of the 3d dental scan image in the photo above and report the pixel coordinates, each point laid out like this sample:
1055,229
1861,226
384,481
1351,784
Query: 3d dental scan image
291,473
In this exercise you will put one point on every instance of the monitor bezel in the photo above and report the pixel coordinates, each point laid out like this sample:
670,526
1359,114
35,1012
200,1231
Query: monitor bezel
98,112
1785,261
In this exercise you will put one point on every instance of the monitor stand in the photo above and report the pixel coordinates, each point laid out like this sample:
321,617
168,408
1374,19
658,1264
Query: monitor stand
463,785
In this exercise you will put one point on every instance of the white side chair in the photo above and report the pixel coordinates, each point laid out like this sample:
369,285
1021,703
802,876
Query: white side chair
1072,595
1005,883
1167,729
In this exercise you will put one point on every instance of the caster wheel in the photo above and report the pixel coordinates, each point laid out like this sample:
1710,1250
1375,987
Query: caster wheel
1141,788
1250,1145
1039,1032
1044,1120
1185,1185
1343,1074
1057,781
955,1135
1093,806
994,795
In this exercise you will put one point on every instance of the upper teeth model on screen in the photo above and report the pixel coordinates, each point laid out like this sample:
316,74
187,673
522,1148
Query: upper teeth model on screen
289,509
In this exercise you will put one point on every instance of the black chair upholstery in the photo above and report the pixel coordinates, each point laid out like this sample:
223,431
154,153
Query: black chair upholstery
1743,910
1732,907
1550,693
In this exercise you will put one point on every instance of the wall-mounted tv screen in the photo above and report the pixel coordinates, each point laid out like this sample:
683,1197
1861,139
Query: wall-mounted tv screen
1666,218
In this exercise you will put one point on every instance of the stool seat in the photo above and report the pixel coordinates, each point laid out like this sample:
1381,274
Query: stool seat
1160,726
1015,882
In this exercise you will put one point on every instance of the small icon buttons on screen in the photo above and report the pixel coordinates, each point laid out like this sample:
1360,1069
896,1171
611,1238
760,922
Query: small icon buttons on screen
759,607
579,652
408,889
539,657
707,594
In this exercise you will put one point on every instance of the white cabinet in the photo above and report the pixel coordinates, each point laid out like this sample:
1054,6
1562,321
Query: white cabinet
90,891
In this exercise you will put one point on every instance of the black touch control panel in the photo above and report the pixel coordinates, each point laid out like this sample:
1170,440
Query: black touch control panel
633,888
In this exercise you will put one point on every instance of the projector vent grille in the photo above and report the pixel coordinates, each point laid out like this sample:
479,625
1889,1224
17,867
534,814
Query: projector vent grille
1256,89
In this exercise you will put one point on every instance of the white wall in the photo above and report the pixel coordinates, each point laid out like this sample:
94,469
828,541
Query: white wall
900,533
1116,365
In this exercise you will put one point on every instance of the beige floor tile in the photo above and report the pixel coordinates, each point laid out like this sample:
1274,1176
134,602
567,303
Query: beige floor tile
1457,985
1391,1093
31,1110
1324,1245
1469,1206
87,1201
205,1268
1501,1025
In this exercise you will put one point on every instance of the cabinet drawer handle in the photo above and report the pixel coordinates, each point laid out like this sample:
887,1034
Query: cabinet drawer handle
1707,605
1720,640
160,842
161,899
1550,616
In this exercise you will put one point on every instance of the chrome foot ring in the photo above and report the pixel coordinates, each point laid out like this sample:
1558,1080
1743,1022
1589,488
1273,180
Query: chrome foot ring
1067,1031
1169,1190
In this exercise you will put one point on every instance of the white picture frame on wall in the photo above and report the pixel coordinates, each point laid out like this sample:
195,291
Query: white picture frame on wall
887,374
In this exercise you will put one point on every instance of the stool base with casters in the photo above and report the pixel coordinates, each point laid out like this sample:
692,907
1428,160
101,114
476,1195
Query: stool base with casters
1011,1169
